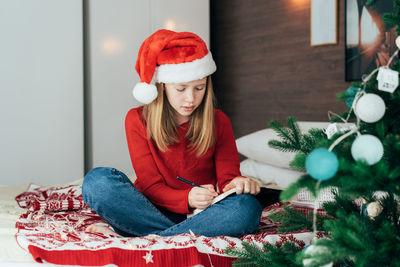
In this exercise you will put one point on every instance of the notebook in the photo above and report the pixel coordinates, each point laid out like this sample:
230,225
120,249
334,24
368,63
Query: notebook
216,199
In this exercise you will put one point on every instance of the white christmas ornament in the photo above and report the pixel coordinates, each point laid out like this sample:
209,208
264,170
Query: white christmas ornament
334,128
388,79
368,148
374,209
315,250
370,108
398,42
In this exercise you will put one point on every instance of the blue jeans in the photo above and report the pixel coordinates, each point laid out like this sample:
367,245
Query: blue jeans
116,200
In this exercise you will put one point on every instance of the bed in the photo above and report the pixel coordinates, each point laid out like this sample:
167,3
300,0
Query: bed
30,237
44,226
11,253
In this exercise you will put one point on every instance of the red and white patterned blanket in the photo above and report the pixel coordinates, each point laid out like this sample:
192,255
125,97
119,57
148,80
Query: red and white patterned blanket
52,230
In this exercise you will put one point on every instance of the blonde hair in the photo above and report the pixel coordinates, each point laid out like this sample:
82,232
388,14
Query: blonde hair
162,127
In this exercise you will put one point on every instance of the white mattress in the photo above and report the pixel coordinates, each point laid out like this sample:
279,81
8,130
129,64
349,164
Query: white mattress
9,213
11,254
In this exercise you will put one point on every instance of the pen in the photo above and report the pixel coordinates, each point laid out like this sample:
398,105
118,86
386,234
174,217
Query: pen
188,182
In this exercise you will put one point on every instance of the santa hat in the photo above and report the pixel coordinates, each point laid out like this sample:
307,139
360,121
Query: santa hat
170,57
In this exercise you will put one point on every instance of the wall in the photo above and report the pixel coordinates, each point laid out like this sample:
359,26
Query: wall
116,29
266,67
41,92
66,79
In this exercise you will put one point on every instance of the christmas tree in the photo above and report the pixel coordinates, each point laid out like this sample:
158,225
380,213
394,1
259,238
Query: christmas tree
359,160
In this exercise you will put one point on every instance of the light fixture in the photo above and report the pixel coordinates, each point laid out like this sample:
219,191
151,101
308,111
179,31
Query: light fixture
111,45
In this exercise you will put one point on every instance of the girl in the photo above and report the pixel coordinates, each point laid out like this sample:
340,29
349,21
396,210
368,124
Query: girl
177,133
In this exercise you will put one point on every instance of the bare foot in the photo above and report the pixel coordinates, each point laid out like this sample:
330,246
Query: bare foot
95,228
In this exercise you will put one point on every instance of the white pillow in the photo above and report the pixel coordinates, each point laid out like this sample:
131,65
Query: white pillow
255,145
266,173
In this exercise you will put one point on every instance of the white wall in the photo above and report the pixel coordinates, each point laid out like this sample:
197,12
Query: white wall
41,91
117,29
42,76
182,15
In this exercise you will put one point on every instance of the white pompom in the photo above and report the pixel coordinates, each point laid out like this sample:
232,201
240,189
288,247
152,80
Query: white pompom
145,93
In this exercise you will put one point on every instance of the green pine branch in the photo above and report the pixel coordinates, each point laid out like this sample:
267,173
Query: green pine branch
269,255
292,140
358,238
293,220
299,162
341,202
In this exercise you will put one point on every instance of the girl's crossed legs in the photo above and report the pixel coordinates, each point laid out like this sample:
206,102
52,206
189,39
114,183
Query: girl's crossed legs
114,198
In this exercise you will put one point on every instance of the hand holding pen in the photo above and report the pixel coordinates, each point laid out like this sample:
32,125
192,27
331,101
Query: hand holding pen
200,196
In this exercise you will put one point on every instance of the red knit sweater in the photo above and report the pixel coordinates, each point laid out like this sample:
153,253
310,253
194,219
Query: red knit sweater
157,171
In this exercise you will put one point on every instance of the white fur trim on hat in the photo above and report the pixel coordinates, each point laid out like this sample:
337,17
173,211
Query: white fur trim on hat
145,93
185,72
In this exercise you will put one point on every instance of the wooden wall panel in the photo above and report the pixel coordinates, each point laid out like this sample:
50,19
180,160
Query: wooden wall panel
266,68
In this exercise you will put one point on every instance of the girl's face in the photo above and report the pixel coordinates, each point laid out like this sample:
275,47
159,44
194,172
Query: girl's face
185,97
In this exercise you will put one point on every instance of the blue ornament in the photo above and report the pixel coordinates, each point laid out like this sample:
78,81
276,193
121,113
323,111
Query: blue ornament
305,248
322,164
350,94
